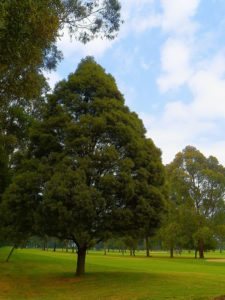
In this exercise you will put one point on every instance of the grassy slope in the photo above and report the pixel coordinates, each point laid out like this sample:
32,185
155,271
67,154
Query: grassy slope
42,275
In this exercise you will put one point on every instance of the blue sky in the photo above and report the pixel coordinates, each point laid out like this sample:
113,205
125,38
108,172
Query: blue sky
169,62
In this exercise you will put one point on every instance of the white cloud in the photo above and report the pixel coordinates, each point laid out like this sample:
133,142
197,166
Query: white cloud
196,122
71,47
143,23
215,149
139,16
209,95
175,61
177,15
177,128
178,50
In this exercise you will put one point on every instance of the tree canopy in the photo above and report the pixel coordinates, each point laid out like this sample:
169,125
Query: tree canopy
197,185
89,170
29,30
28,33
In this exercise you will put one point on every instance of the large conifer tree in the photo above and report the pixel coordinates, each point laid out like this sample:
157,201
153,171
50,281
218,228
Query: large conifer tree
89,170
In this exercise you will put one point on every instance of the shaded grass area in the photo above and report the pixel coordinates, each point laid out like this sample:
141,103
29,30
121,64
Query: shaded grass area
44,275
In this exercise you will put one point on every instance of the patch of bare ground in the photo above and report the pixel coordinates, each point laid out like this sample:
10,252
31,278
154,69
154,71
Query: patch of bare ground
4,287
61,281
222,260
222,297
70,280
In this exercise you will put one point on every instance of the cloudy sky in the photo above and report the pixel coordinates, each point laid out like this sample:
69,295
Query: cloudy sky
169,62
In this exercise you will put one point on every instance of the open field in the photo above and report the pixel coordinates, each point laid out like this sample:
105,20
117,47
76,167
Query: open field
44,275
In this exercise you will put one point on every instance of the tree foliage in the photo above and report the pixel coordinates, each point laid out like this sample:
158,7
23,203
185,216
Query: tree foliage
89,170
197,185
29,30
28,33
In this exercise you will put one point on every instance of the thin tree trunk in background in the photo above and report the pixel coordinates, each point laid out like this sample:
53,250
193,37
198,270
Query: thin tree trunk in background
171,252
10,253
147,246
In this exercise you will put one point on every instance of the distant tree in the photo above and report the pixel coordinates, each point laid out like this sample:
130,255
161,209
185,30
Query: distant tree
89,168
131,243
150,189
198,183
170,230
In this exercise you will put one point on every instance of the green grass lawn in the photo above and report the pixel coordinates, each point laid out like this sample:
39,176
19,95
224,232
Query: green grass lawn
44,275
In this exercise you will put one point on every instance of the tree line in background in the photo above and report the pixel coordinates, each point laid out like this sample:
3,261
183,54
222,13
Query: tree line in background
76,166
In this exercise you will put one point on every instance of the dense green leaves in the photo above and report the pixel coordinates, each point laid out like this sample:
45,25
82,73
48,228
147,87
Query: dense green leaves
97,173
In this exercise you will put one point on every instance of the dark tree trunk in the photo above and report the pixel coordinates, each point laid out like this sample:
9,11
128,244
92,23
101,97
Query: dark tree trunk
81,255
54,248
10,253
147,246
171,252
201,249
